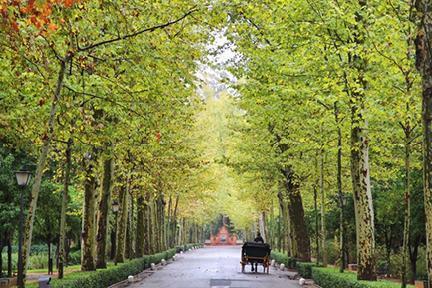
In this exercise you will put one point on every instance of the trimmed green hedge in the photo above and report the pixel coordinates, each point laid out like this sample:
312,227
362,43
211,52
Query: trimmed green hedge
74,258
186,247
283,258
111,275
115,274
332,278
305,269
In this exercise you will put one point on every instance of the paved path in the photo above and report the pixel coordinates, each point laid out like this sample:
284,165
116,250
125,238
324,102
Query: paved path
213,267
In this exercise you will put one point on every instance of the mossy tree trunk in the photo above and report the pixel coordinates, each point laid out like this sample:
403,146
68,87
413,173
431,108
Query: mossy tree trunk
103,213
296,216
360,170
147,223
140,228
322,210
47,138
407,207
424,66
9,255
88,246
129,253
122,220
341,198
65,198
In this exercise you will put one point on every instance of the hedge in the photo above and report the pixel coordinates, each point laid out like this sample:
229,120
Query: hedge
305,269
74,258
186,247
332,278
283,258
111,275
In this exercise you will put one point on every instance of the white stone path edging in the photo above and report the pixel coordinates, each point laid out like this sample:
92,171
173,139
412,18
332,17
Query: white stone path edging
147,272
294,275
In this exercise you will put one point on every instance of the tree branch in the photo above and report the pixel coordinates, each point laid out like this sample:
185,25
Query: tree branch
150,29
104,99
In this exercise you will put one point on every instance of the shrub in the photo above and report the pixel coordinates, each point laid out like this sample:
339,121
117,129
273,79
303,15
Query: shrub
283,258
186,247
332,278
38,261
14,261
74,258
36,249
332,248
305,269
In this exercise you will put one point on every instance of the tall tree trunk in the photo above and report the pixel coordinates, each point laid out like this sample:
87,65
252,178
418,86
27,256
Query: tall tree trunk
262,224
180,233
322,214
64,207
317,236
50,263
1,257
9,256
280,221
129,230
407,207
154,227
296,214
424,65
147,239
291,242
185,233
122,224
168,224
363,202
271,224
104,204
88,246
140,233
341,198
113,241
56,253
161,221
413,253
48,136
360,171
174,222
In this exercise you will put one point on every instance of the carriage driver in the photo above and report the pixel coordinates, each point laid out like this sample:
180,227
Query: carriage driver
257,239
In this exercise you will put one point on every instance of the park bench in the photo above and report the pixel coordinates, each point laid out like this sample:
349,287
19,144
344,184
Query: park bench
44,282
4,282
352,267
8,282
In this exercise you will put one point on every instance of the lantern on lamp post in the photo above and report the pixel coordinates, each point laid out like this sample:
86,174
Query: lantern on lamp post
23,178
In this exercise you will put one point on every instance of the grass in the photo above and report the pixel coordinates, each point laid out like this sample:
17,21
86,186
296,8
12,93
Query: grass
67,269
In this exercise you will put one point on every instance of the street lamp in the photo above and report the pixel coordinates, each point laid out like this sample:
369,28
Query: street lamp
23,179
115,206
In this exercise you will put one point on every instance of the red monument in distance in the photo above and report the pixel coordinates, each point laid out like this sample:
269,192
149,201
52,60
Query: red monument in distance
223,237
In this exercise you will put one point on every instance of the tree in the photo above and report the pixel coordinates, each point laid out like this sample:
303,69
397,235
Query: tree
423,62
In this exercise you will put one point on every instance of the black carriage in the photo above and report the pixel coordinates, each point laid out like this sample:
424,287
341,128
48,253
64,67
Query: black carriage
255,253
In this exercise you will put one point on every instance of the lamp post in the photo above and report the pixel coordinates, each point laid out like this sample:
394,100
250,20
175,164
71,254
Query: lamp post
115,209
23,178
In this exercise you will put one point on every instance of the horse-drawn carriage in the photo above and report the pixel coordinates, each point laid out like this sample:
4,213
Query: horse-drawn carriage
255,253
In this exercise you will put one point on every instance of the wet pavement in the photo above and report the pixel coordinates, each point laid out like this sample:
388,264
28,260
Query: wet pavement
214,267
